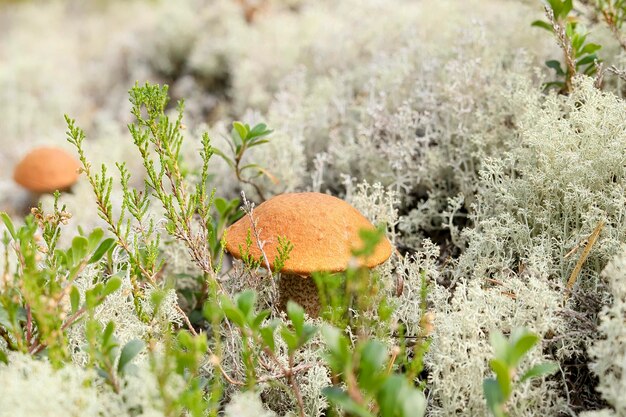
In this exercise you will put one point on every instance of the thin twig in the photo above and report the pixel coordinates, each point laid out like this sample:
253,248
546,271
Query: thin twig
71,320
583,257
609,18
248,208
566,45
185,319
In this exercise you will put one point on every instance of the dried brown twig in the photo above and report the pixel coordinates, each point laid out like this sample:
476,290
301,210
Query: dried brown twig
593,237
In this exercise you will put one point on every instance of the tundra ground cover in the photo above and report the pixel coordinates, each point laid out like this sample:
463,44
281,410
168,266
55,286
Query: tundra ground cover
431,118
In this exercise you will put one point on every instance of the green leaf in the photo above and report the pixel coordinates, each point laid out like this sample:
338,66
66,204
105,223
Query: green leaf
3,357
257,142
290,338
221,205
74,299
556,6
372,359
258,320
540,370
79,249
95,237
259,130
500,344
521,346
543,25
92,296
556,84
102,249
493,396
267,334
232,313
113,284
8,223
413,403
245,302
503,375
399,398
341,399
107,335
296,315
241,130
222,155
556,66
307,333
130,350
590,48
567,7
586,60
335,341
4,319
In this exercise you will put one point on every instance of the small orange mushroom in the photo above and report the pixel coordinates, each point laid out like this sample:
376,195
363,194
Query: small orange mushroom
45,170
324,230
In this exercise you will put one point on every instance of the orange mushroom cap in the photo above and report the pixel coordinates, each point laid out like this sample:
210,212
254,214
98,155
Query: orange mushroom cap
45,170
323,230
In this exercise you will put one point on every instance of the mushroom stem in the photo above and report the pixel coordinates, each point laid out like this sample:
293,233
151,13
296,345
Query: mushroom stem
300,289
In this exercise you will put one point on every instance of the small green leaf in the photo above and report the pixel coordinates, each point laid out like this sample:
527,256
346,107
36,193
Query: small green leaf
540,370
245,302
257,142
590,48
543,25
290,338
107,335
4,319
567,7
373,356
501,370
102,249
259,130
92,296
342,399
113,284
556,66
241,130
94,237
232,313
398,398
8,223
3,357
130,350
267,334
221,205
413,403
260,317
307,333
296,315
500,344
74,299
556,6
493,396
79,249
521,346
227,159
586,60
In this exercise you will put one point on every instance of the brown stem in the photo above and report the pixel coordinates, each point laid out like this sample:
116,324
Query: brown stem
294,385
186,320
29,325
71,320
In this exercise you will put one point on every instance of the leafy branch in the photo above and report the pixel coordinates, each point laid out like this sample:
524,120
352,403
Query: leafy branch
242,138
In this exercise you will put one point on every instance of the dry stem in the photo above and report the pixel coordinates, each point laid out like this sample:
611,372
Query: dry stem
583,257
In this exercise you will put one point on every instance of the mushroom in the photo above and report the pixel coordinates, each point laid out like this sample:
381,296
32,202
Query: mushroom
45,170
324,231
